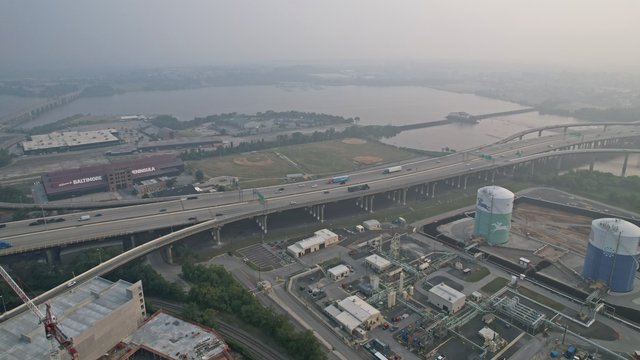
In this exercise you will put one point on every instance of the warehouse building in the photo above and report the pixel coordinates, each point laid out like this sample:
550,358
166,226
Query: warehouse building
338,272
446,298
69,140
319,240
353,313
377,263
169,338
372,225
110,177
97,314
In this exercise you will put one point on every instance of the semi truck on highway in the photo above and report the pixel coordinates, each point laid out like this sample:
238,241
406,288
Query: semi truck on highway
358,187
339,179
392,169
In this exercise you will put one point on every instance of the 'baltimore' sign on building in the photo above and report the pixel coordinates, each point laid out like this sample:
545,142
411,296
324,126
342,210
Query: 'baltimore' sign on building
110,177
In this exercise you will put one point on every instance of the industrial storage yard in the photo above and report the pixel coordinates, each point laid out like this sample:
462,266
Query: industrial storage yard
424,299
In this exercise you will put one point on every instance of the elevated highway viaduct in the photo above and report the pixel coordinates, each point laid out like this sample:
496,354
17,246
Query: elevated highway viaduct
419,176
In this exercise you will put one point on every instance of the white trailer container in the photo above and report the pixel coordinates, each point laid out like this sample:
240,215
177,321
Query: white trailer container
392,169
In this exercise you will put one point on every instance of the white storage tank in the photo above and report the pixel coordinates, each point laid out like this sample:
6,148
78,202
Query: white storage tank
494,206
612,253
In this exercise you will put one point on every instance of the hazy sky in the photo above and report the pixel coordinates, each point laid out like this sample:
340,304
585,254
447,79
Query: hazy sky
38,34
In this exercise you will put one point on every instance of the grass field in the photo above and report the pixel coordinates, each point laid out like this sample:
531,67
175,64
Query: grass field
330,157
252,170
477,275
541,298
320,159
495,285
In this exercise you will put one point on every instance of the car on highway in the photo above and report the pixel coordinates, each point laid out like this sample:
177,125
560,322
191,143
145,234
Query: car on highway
301,185
5,244
97,215
281,189
292,202
314,185
58,220
71,283
162,210
193,218
326,191
3,226
219,214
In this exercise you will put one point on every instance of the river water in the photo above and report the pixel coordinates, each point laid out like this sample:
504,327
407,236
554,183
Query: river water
395,105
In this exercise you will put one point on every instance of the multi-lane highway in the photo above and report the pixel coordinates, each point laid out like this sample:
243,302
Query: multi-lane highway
232,206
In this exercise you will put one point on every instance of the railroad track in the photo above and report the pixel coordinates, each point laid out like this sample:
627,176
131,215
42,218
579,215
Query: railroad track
256,348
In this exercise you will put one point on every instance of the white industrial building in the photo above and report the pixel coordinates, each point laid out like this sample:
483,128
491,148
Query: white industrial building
69,140
372,225
446,298
338,272
377,263
320,240
353,312
97,314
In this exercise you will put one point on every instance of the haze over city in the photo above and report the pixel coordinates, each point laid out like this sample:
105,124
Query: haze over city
36,35
319,180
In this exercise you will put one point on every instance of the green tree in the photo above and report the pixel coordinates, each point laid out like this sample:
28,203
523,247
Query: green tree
199,175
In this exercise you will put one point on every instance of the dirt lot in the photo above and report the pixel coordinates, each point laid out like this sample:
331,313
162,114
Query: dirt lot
560,228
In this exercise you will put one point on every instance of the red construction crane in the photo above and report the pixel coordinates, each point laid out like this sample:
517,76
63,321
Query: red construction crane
51,328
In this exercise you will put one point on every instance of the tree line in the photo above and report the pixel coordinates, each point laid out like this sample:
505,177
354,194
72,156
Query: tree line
215,289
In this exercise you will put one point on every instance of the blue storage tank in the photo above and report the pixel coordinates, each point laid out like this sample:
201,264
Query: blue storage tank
612,253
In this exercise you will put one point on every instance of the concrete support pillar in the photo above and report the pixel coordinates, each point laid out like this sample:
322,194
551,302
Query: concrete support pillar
433,190
322,213
533,168
558,163
493,176
565,130
404,196
128,244
168,254
466,177
591,163
604,129
520,137
459,181
539,133
624,165
215,235
264,221
371,203
53,256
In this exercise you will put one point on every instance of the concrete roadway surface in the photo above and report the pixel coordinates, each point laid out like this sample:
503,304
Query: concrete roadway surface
206,207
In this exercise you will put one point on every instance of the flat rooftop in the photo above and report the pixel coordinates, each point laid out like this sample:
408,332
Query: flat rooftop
174,338
77,309
69,139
